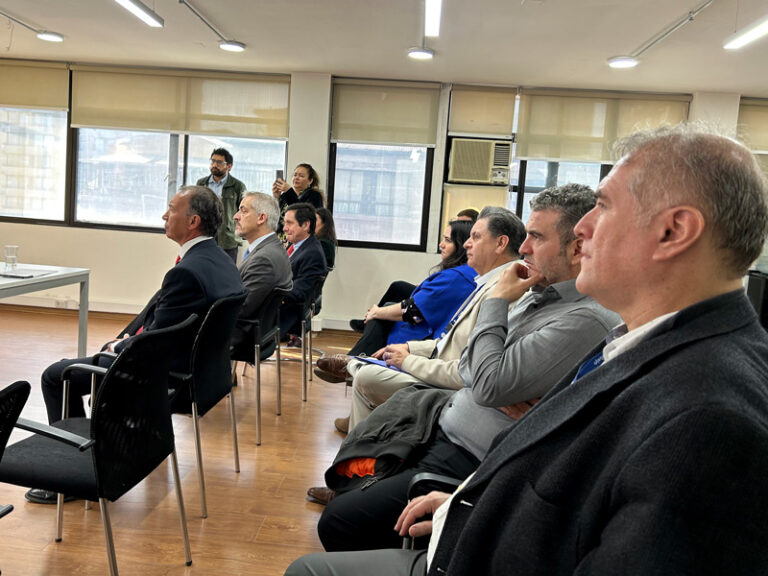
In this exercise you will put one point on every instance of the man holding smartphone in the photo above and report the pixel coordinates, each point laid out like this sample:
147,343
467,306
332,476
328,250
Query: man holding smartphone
231,191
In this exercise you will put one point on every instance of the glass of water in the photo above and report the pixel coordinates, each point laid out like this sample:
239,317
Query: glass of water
11,257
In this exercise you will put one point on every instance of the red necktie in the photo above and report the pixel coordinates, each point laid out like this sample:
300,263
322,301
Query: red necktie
290,249
178,259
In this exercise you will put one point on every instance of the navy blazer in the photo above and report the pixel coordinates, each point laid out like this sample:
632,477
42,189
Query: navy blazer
307,265
654,463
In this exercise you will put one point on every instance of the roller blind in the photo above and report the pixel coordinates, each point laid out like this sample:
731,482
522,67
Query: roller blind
34,85
575,127
482,111
385,112
234,105
752,125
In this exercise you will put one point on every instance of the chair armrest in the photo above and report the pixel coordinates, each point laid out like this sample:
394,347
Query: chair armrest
83,368
179,376
57,434
104,354
5,510
425,482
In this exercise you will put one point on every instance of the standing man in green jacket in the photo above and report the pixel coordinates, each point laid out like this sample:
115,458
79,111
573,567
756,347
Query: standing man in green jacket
231,191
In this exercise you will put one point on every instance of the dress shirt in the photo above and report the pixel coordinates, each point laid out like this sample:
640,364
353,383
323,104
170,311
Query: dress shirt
252,245
217,186
297,245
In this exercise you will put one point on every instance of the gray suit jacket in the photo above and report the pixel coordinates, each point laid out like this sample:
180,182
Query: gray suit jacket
654,463
266,268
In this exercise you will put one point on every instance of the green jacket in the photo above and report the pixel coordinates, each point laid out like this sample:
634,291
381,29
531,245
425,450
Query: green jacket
231,196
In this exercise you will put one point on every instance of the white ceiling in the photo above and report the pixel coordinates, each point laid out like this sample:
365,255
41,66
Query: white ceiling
551,43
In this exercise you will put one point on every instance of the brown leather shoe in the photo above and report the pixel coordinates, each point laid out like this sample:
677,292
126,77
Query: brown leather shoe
320,494
333,368
342,424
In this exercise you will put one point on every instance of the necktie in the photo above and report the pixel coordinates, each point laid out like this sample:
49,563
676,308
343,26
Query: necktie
588,365
178,259
248,251
290,249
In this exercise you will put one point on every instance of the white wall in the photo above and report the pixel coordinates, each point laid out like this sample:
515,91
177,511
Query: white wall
127,267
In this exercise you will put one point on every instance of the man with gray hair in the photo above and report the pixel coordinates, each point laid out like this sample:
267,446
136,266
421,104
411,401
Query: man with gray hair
530,330
651,456
265,265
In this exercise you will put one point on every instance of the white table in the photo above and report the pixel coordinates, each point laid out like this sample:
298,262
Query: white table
54,276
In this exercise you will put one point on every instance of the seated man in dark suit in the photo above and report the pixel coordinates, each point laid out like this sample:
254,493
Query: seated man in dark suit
307,264
202,275
651,456
265,265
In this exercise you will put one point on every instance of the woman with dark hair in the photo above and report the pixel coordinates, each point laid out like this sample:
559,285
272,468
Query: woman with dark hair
325,231
306,184
429,308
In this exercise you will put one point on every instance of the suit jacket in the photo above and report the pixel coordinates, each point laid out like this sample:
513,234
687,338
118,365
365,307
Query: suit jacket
266,267
654,463
204,275
443,370
307,265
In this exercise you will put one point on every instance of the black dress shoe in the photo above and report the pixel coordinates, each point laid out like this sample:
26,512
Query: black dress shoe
357,325
40,496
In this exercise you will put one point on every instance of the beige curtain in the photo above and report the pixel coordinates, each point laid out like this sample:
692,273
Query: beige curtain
41,85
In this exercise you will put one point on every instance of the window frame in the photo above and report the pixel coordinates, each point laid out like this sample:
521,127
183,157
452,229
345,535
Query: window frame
428,168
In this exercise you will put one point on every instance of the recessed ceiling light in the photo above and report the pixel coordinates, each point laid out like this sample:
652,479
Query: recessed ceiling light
49,36
231,46
623,62
420,53
432,10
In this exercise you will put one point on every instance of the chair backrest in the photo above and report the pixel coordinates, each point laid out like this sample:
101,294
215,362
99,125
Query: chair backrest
210,365
131,420
315,299
268,315
12,400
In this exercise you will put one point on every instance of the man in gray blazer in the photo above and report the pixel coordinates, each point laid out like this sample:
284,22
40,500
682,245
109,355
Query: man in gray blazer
651,456
265,265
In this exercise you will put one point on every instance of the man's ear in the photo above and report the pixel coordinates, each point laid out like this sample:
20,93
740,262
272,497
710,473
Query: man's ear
194,221
573,250
677,229
501,244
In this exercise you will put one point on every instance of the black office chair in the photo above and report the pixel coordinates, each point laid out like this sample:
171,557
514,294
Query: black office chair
12,400
128,435
265,332
208,381
424,483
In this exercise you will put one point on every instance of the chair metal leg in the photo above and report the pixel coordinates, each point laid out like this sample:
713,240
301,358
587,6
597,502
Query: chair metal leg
279,379
59,516
303,361
199,453
309,346
234,431
233,364
111,558
257,365
87,505
182,513
65,400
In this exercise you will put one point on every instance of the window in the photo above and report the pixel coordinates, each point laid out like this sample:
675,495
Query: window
33,148
255,161
126,178
379,192
383,136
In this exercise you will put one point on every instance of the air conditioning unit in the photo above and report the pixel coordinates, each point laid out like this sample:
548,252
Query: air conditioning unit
480,161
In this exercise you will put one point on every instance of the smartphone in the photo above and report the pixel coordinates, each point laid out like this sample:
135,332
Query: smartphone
279,175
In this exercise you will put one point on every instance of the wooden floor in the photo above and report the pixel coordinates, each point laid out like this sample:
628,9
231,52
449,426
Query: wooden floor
258,520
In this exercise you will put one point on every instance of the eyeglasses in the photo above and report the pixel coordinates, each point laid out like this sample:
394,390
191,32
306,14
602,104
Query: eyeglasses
219,162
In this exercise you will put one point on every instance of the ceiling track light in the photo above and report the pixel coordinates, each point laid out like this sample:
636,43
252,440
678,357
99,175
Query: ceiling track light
432,10
142,12
747,35
224,44
633,59
46,35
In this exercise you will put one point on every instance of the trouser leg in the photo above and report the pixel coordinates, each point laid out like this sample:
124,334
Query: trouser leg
364,518
397,292
370,562
373,339
52,385
371,386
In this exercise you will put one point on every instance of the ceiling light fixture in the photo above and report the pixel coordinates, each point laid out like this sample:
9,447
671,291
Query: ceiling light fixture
747,35
225,44
432,10
46,35
142,12
633,59
421,53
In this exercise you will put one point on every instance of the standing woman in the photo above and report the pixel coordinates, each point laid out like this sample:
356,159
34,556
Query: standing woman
305,188
325,231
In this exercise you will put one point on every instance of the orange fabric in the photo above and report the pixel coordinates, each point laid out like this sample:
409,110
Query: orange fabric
356,467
